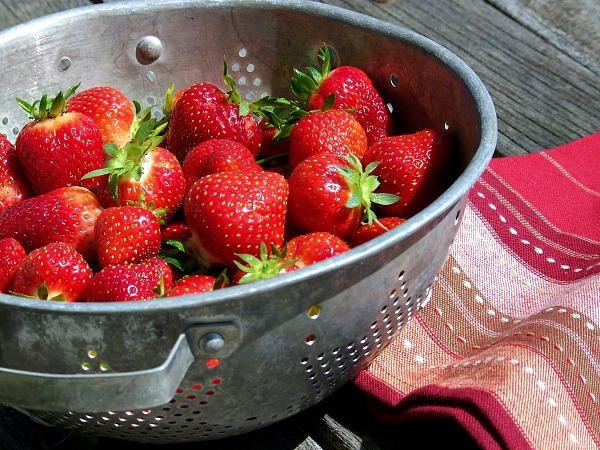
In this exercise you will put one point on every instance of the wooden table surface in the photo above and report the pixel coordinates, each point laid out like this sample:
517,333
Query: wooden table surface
540,60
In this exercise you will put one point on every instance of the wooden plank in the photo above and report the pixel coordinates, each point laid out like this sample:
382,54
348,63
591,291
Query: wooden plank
16,12
543,96
573,26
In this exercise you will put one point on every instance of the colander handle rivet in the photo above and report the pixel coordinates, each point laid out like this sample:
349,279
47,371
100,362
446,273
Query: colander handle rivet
148,50
211,342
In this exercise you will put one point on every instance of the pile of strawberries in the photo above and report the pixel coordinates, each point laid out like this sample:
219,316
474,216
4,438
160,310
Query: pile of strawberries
100,201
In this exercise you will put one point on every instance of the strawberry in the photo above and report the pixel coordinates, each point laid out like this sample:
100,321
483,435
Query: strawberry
351,89
203,111
311,248
192,284
142,173
57,148
14,187
127,234
334,131
217,155
146,280
11,255
177,230
110,109
234,212
333,194
65,215
367,232
416,167
53,272
301,251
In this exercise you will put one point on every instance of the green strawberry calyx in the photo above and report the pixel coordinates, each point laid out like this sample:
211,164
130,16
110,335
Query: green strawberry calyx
43,294
47,107
363,185
266,266
304,85
267,107
128,159
175,253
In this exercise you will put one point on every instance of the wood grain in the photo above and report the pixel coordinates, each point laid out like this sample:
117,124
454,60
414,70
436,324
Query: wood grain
16,12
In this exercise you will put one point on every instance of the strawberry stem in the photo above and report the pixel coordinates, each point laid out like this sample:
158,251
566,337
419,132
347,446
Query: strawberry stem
128,160
305,85
363,186
47,107
265,107
267,266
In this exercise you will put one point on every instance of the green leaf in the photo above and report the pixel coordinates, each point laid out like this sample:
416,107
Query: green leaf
325,57
354,201
244,108
172,261
385,199
328,102
177,244
72,90
303,85
43,107
267,266
97,173
113,186
42,292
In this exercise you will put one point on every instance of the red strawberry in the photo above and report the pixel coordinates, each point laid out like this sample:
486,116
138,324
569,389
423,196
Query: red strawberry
192,284
110,109
204,112
142,173
311,248
129,282
178,230
58,148
367,232
217,155
64,215
301,251
333,194
127,234
53,272
14,187
11,255
351,89
333,131
234,212
416,167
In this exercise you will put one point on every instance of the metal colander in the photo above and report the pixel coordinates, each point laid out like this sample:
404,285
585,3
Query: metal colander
230,361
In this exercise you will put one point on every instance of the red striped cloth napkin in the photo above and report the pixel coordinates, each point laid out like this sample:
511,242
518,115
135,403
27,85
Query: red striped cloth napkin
509,344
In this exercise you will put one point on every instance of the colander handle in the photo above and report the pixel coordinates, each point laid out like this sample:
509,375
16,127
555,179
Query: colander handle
98,392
